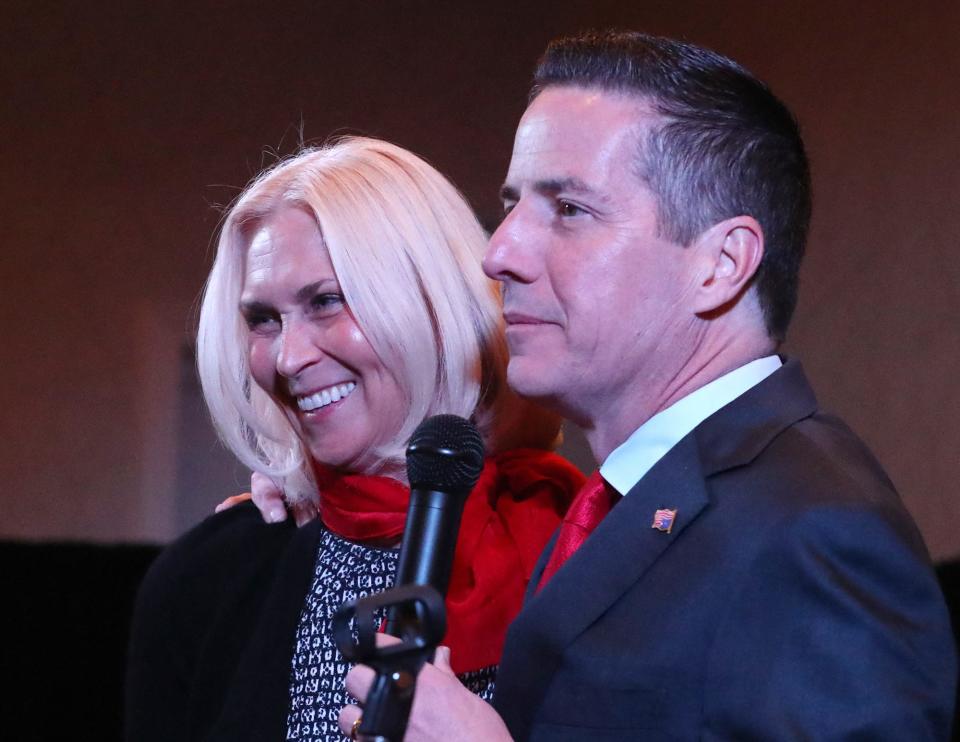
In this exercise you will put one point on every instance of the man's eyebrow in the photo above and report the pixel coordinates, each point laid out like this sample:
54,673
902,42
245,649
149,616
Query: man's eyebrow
553,186
562,185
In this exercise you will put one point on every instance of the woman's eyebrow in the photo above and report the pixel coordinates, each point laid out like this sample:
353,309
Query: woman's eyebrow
307,292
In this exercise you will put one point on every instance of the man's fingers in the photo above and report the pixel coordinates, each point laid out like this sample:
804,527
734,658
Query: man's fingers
441,660
231,501
268,498
348,715
361,677
359,680
303,512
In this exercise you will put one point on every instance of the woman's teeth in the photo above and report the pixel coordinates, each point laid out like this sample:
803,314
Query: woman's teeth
325,396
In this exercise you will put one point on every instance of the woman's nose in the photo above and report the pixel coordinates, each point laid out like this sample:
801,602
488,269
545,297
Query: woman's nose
298,349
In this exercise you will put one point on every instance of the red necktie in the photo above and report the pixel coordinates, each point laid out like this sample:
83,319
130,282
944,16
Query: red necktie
592,503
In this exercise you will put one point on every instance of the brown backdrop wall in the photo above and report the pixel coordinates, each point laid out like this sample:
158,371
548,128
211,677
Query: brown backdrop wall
123,128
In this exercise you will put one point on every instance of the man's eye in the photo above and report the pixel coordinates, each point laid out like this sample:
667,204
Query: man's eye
566,209
508,207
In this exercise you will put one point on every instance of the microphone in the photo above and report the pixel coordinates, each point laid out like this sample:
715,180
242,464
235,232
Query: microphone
444,461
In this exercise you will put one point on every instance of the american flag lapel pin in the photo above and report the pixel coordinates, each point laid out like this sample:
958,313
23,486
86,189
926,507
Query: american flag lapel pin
663,519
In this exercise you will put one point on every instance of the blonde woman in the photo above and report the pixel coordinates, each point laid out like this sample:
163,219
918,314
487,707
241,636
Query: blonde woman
346,304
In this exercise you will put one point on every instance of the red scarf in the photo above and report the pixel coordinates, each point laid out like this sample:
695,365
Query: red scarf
516,506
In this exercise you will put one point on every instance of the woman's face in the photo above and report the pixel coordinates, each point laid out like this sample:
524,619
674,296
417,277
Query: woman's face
306,350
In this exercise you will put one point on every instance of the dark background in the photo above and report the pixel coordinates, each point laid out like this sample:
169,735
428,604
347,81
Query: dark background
125,126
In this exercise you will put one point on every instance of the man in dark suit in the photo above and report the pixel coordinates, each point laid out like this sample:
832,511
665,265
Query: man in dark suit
757,578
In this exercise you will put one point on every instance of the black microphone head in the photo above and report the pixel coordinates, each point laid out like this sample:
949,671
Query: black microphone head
445,455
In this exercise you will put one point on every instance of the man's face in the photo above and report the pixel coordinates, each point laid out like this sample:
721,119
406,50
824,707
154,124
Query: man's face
597,305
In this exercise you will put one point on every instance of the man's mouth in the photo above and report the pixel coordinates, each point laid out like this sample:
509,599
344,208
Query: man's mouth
517,318
325,396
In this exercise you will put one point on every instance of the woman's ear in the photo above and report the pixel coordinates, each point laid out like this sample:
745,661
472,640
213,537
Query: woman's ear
730,253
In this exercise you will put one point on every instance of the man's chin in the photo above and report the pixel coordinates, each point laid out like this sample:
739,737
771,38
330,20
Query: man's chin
531,380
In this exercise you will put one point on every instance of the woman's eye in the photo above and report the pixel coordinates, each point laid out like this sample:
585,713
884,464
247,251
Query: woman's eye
259,322
326,303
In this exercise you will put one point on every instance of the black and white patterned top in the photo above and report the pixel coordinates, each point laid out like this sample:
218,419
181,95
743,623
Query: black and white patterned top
344,571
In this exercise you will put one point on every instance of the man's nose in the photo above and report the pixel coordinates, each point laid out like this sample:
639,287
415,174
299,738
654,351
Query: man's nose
509,253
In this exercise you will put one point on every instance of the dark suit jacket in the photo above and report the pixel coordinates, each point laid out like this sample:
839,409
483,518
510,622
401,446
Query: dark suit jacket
793,598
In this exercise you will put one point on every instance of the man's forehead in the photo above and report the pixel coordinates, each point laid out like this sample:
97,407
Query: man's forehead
575,133
575,108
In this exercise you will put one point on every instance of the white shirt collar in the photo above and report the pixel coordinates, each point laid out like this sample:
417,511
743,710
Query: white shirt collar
627,464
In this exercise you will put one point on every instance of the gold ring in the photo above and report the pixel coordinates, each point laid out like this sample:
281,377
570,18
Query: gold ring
355,729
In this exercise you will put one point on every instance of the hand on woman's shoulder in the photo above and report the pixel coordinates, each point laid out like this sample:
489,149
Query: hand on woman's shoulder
269,499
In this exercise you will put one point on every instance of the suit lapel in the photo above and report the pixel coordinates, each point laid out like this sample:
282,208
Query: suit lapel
625,545
737,433
609,563
539,567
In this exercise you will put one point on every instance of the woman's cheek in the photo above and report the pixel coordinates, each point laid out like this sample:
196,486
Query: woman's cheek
262,363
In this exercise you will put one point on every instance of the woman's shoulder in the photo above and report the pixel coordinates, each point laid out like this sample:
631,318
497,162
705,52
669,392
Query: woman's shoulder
525,473
220,551
197,608
239,531
520,500
529,491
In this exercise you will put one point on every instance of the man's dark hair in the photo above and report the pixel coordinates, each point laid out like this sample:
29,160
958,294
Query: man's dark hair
727,146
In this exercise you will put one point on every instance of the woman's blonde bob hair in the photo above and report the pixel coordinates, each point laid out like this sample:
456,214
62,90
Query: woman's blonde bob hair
406,249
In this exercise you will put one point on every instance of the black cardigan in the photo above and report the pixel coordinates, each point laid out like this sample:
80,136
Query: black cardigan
214,630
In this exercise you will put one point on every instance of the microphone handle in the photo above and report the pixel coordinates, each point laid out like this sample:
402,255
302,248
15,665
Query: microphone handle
429,542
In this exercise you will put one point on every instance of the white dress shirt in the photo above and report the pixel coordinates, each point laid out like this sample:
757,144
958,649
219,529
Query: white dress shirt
633,458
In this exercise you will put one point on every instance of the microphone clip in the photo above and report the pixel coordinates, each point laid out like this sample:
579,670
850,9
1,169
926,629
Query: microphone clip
422,625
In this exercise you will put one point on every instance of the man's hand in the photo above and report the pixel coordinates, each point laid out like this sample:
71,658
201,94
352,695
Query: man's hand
268,498
231,501
443,709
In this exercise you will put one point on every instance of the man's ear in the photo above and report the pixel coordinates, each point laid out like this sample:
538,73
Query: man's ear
729,254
